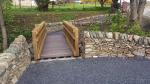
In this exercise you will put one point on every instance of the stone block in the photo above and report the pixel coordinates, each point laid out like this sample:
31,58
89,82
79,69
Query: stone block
136,38
109,35
116,35
141,41
139,52
86,34
101,35
2,71
130,38
124,37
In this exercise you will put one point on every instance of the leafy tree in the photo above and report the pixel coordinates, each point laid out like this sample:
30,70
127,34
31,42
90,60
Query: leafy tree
102,2
42,4
3,7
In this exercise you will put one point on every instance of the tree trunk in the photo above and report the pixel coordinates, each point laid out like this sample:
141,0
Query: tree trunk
136,10
19,3
102,2
3,28
42,6
115,6
140,10
133,10
102,5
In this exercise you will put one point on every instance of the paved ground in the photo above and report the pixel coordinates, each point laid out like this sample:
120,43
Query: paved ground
89,71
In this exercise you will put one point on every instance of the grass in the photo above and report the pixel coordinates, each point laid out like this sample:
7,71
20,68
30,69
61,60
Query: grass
25,18
62,9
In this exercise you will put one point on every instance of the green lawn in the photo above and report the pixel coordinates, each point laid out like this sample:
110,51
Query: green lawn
24,19
63,8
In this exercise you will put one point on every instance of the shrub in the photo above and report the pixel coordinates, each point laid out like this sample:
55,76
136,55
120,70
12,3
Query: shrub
94,27
118,22
135,28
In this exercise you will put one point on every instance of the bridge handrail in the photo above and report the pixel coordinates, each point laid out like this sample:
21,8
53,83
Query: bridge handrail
38,37
72,37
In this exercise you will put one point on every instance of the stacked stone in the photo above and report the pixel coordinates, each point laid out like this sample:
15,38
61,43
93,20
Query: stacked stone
14,61
108,44
58,26
89,20
54,27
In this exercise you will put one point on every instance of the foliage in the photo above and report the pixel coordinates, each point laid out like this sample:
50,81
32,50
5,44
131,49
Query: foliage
5,8
109,1
135,28
94,27
118,22
7,11
88,0
23,19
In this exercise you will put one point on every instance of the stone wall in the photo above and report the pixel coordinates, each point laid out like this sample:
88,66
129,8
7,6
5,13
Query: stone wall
57,26
54,27
108,44
14,61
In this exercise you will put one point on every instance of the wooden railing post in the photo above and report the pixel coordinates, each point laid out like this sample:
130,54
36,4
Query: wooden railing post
72,37
38,38
76,31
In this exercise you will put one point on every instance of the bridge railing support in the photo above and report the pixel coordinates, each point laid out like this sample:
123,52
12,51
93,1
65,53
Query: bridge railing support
39,34
72,37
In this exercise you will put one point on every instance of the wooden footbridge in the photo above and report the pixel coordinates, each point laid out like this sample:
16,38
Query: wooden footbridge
57,44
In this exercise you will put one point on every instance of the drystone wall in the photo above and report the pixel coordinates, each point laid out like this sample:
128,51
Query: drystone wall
54,27
108,44
57,26
14,61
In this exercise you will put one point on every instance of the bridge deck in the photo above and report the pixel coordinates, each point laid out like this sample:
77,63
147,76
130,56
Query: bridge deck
55,46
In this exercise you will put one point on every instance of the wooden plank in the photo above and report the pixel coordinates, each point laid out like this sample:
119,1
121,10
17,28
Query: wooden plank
56,46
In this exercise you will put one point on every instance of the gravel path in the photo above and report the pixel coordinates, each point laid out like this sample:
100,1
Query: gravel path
89,71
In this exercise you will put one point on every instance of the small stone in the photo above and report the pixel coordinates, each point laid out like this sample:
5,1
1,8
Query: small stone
147,51
93,34
86,34
140,52
124,36
2,71
136,38
88,50
148,39
130,55
109,35
116,35
130,38
88,46
108,40
141,40
100,34
14,80
145,41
